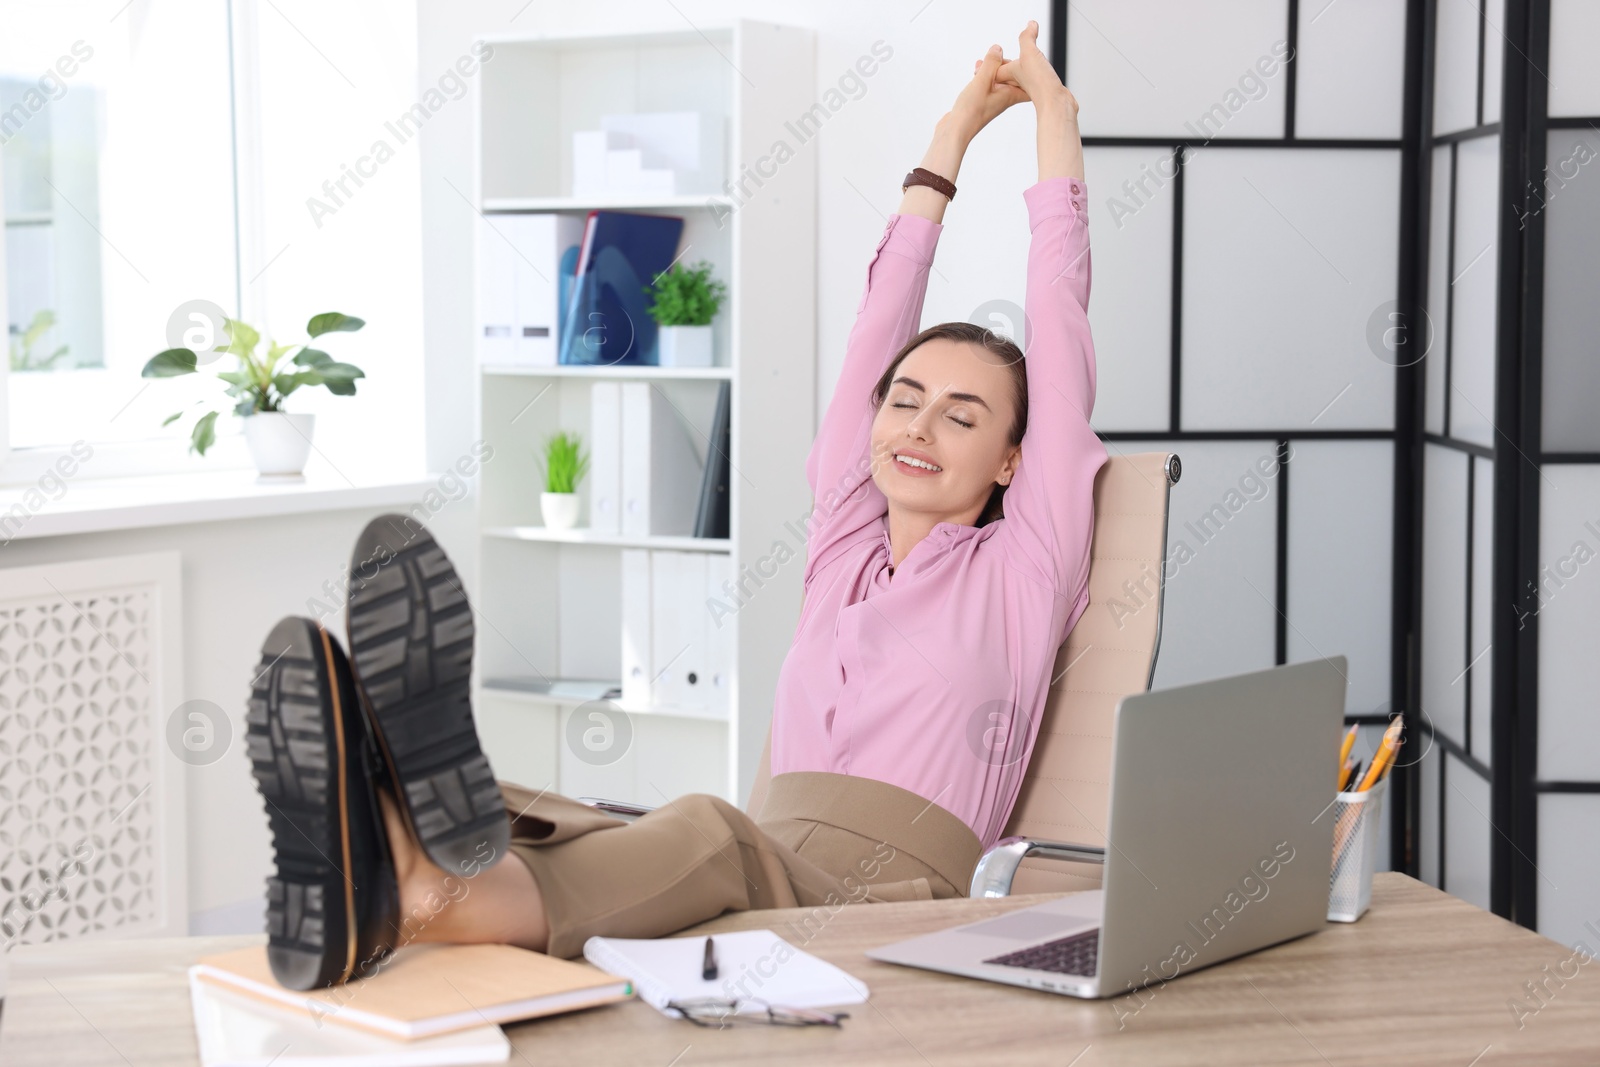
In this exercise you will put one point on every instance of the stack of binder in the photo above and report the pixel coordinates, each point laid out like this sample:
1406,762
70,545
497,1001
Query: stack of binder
645,476
563,289
526,265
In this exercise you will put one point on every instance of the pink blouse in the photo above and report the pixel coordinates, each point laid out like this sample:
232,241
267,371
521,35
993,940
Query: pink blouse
935,681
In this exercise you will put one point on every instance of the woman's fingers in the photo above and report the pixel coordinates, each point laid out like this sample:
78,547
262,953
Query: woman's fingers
1031,69
1013,94
989,63
1003,83
987,94
1028,39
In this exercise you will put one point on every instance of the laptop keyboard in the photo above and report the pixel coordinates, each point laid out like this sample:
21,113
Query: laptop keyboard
1075,954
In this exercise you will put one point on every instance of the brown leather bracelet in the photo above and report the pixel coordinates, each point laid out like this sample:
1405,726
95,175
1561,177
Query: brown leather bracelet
923,176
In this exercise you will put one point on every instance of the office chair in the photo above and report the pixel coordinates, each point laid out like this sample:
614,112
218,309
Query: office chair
1055,838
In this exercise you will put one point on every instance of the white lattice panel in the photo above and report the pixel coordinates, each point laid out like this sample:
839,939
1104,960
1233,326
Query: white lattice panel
91,797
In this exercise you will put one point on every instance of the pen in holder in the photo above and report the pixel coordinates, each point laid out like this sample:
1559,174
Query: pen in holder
1355,851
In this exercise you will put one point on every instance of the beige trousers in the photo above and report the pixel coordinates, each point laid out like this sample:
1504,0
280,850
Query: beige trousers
821,841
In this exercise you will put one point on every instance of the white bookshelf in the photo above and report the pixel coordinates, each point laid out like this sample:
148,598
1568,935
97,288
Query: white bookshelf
549,601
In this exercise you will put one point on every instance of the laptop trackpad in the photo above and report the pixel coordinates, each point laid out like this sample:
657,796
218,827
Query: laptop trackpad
1027,925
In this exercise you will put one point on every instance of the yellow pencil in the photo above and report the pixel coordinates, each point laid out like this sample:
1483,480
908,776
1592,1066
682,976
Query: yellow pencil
1346,771
1344,751
1380,762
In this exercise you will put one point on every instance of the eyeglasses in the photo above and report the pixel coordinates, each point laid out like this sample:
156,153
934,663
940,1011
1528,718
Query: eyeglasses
720,1013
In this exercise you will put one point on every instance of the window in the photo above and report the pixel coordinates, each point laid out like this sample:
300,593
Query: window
160,155
116,169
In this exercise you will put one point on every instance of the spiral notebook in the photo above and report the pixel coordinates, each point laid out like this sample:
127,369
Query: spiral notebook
750,964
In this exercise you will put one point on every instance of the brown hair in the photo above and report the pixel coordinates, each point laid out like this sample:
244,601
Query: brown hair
1012,358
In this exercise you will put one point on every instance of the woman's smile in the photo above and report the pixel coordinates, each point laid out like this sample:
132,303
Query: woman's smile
915,463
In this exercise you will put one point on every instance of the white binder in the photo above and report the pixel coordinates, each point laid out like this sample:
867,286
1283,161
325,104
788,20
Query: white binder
694,624
519,286
605,457
668,650
720,621
637,661
679,630
496,295
660,467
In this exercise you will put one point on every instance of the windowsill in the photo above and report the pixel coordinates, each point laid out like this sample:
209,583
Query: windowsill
98,505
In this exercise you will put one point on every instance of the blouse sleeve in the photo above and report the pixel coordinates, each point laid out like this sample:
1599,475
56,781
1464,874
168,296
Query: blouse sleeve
1049,505
846,500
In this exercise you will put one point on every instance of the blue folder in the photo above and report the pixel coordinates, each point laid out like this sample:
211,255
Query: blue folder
607,321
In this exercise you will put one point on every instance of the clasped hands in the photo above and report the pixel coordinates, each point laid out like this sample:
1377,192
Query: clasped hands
998,83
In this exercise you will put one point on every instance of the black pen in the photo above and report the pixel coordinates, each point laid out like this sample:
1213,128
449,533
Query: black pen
708,968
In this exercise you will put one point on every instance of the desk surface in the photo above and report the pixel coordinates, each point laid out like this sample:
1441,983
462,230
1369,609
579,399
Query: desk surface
1423,978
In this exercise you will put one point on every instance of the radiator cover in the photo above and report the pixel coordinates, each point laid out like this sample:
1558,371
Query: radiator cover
92,828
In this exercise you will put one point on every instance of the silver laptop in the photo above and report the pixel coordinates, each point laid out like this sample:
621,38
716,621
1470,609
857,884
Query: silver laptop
1220,834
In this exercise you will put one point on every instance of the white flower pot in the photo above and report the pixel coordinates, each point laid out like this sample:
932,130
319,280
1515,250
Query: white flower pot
560,510
685,346
280,443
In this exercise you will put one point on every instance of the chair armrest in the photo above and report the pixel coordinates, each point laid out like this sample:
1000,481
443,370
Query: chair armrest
623,809
997,868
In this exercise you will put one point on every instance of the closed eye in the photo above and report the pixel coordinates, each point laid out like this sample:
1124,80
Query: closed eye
959,422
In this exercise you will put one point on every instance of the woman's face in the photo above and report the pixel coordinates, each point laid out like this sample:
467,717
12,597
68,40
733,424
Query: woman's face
950,404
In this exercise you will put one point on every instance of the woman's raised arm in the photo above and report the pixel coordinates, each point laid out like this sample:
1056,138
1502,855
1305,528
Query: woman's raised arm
1049,505
839,465
888,314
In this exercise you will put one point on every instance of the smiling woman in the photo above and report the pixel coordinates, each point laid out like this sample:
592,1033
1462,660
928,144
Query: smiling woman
976,381
951,554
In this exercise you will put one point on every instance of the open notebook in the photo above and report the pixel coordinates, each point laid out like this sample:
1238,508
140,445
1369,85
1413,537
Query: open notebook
750,963
424,990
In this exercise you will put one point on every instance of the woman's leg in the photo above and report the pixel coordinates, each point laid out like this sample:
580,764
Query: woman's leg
500,904
688,861
578,872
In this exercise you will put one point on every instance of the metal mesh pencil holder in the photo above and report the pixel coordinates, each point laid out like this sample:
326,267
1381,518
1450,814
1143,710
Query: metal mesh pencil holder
1355,851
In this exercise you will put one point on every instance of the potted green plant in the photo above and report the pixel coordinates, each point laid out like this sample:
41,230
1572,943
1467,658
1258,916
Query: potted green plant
564,467
280,442
684,301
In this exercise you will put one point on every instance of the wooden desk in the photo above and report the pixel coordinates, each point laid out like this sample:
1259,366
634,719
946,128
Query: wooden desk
1423,978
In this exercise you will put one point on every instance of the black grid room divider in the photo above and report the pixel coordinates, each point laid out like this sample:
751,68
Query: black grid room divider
1308,283
1546,867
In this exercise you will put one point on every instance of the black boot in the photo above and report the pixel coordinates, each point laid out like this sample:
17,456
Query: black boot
333,904
410,634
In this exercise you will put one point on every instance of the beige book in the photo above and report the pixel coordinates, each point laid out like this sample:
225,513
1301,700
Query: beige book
423,990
